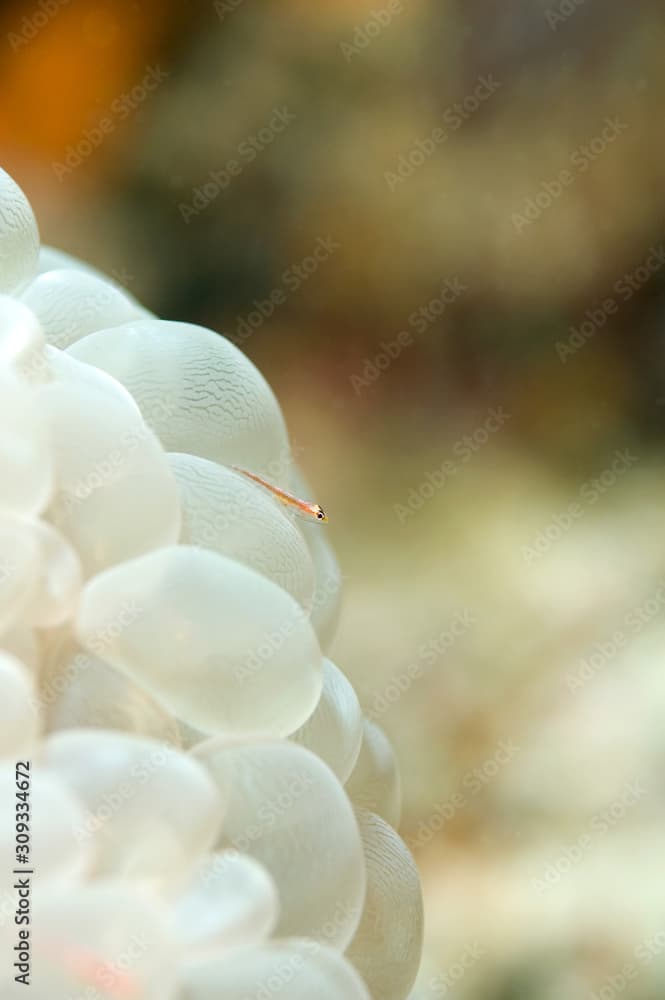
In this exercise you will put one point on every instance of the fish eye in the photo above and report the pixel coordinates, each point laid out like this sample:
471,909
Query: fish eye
320,514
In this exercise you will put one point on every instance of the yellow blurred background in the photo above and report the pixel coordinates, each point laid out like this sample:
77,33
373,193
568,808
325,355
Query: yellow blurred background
437,227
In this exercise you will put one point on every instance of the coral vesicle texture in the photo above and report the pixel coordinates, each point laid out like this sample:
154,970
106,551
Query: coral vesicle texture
186,779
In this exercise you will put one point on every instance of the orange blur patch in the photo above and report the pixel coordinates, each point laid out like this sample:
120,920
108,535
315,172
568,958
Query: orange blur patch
106,977
65,63
96,972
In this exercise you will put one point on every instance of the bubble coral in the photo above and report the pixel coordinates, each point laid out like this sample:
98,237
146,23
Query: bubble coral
187,783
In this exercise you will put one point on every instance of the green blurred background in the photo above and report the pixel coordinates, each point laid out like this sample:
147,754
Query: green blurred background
436,227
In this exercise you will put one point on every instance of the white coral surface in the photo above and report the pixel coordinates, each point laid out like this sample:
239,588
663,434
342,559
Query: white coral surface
188,788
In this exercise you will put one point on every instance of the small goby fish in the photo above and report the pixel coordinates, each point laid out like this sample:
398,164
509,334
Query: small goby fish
302,506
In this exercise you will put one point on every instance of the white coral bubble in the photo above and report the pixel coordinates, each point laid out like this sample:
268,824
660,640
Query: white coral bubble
229,902
196,390
375,783
287,810
70,304
223,647
53,259
226,513
25,452
60,367
387,945
40,574
21,336
297,969
19,714
59,582
153,810
20,552
162,682
105,939
334,730
19,236
79,689
115,494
